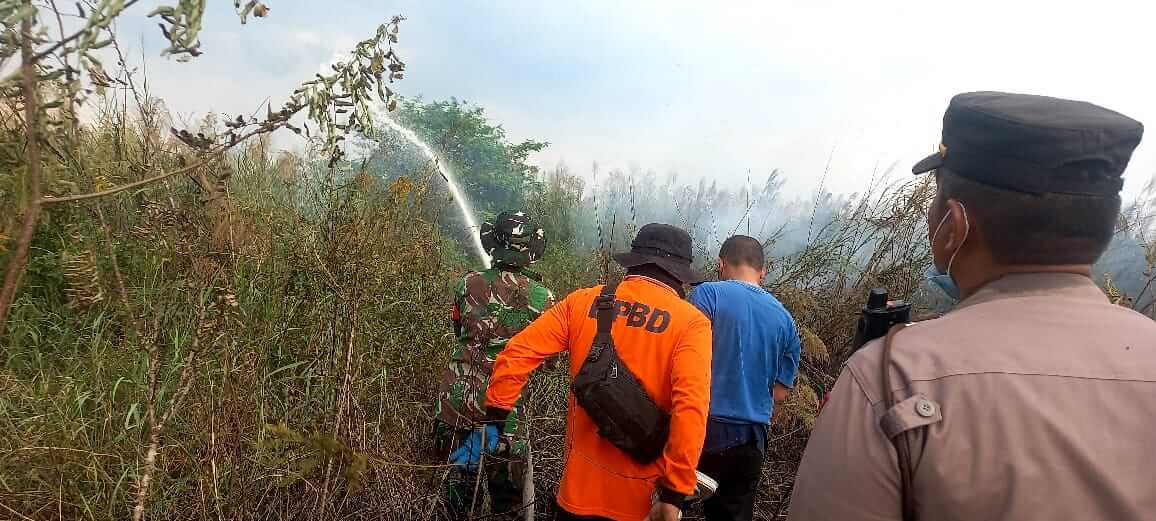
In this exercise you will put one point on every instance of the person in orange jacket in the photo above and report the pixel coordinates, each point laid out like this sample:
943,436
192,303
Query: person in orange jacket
665,341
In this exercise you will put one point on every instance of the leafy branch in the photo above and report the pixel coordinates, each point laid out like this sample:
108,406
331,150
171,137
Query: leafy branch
337,104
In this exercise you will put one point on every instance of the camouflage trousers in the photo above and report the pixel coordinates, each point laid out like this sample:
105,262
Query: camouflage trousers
501,482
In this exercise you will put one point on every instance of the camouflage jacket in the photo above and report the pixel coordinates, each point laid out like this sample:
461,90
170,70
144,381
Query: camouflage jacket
490,307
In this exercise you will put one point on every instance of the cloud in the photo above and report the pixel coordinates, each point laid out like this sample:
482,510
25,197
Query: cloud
704,89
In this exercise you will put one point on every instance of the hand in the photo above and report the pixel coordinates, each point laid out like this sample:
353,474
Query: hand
469,454
552,363
663,512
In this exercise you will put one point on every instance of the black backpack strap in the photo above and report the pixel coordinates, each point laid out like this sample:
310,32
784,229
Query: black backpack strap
604,312
900,440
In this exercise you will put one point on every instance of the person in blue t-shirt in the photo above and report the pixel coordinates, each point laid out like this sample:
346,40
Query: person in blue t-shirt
753,365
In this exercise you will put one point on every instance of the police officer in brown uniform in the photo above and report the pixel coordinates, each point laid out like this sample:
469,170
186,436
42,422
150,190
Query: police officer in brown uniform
1035,398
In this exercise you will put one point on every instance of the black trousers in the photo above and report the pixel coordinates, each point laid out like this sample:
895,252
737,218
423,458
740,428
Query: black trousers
737,471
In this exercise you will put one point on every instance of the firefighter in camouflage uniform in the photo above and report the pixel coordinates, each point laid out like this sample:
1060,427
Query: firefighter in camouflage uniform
489,308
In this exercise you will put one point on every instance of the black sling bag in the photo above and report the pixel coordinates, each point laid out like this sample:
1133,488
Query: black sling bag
611,394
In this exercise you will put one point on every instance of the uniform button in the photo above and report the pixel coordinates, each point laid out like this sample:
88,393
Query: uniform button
925,408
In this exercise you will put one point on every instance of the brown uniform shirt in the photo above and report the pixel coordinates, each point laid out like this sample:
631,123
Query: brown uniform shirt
1039,402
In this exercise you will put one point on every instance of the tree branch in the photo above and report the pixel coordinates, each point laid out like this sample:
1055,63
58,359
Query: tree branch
121,188
1140,296
19,259
157,426
48,52
266,128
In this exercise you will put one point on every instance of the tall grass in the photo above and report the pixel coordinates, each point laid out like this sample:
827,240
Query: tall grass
288,333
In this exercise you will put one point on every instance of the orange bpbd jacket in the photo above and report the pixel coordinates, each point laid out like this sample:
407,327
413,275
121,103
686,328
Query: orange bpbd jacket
666,342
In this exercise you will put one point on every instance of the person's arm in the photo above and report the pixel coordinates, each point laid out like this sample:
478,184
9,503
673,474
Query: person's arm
547,335
779,393
690,401
849,470
787,368
541,300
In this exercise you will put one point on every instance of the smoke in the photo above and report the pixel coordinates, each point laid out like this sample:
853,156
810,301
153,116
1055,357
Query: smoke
621,202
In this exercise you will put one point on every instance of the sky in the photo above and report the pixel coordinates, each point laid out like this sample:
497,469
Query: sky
825,91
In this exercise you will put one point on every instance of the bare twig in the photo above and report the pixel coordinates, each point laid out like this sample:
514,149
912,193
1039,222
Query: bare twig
1143,292
478,475
22,516
62,449
68,71
55,47
111,246
528,499
19,258
819,195
150,415
121,188
156,427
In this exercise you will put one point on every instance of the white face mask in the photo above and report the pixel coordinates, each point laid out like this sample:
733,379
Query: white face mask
943,279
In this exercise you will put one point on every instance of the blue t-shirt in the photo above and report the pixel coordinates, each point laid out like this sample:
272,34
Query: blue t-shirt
755,346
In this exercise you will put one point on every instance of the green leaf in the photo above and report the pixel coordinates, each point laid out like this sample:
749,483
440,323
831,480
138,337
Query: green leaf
26,11
132,418
163,10
285,368
54,75
116,386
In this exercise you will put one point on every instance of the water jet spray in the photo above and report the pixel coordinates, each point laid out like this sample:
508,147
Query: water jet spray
447,174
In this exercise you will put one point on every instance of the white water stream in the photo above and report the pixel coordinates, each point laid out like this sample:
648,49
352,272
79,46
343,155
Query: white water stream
459,197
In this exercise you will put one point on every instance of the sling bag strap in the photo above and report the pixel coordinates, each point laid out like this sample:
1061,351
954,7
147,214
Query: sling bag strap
624,413
900,440
605,312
